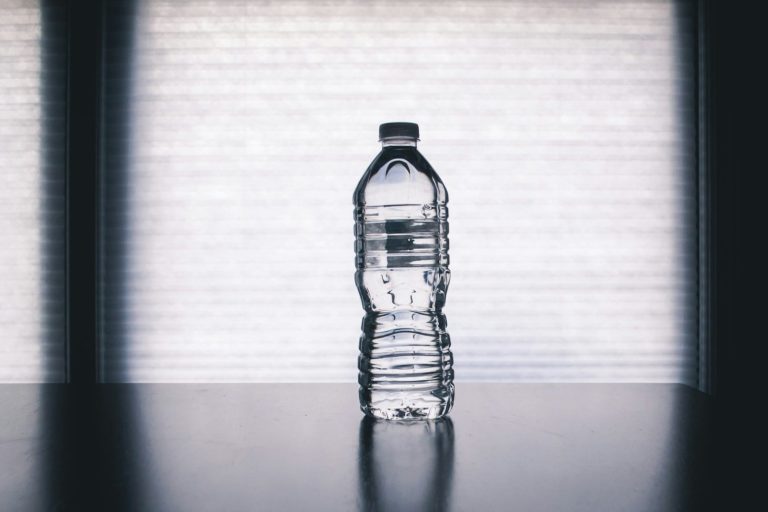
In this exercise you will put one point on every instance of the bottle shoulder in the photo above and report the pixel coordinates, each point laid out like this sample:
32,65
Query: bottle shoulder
399,176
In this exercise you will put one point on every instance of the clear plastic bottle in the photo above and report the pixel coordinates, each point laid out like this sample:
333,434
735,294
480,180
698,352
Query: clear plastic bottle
405,362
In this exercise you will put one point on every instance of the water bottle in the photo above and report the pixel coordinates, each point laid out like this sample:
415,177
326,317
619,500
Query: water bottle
401,230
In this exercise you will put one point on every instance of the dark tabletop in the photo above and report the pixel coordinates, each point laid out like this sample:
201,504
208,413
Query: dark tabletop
222,447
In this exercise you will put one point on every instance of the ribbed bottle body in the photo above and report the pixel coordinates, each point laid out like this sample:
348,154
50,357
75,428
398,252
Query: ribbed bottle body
401,228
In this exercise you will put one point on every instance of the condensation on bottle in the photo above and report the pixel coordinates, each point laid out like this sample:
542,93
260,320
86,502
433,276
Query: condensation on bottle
401,244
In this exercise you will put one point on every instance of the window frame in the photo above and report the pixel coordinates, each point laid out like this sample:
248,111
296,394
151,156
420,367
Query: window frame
88,23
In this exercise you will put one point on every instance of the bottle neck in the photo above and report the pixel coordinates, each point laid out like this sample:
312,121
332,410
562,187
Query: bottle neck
389,142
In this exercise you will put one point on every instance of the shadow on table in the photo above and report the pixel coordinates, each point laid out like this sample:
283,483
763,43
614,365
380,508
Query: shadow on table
92,456
405,466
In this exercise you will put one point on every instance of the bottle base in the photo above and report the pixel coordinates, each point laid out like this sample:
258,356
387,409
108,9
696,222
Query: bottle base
408,407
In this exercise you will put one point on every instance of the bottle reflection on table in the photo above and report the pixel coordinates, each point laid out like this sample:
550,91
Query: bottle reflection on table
405,466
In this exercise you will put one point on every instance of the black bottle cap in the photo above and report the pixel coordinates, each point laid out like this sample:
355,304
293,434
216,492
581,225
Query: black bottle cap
410,130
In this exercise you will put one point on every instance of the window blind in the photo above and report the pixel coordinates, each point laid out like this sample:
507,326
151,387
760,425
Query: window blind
236,133
32,137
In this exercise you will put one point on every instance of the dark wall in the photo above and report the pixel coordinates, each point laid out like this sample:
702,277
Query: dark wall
737,56
737,38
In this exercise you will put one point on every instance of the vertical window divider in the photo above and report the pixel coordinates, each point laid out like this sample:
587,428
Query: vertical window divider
84,54
706,254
